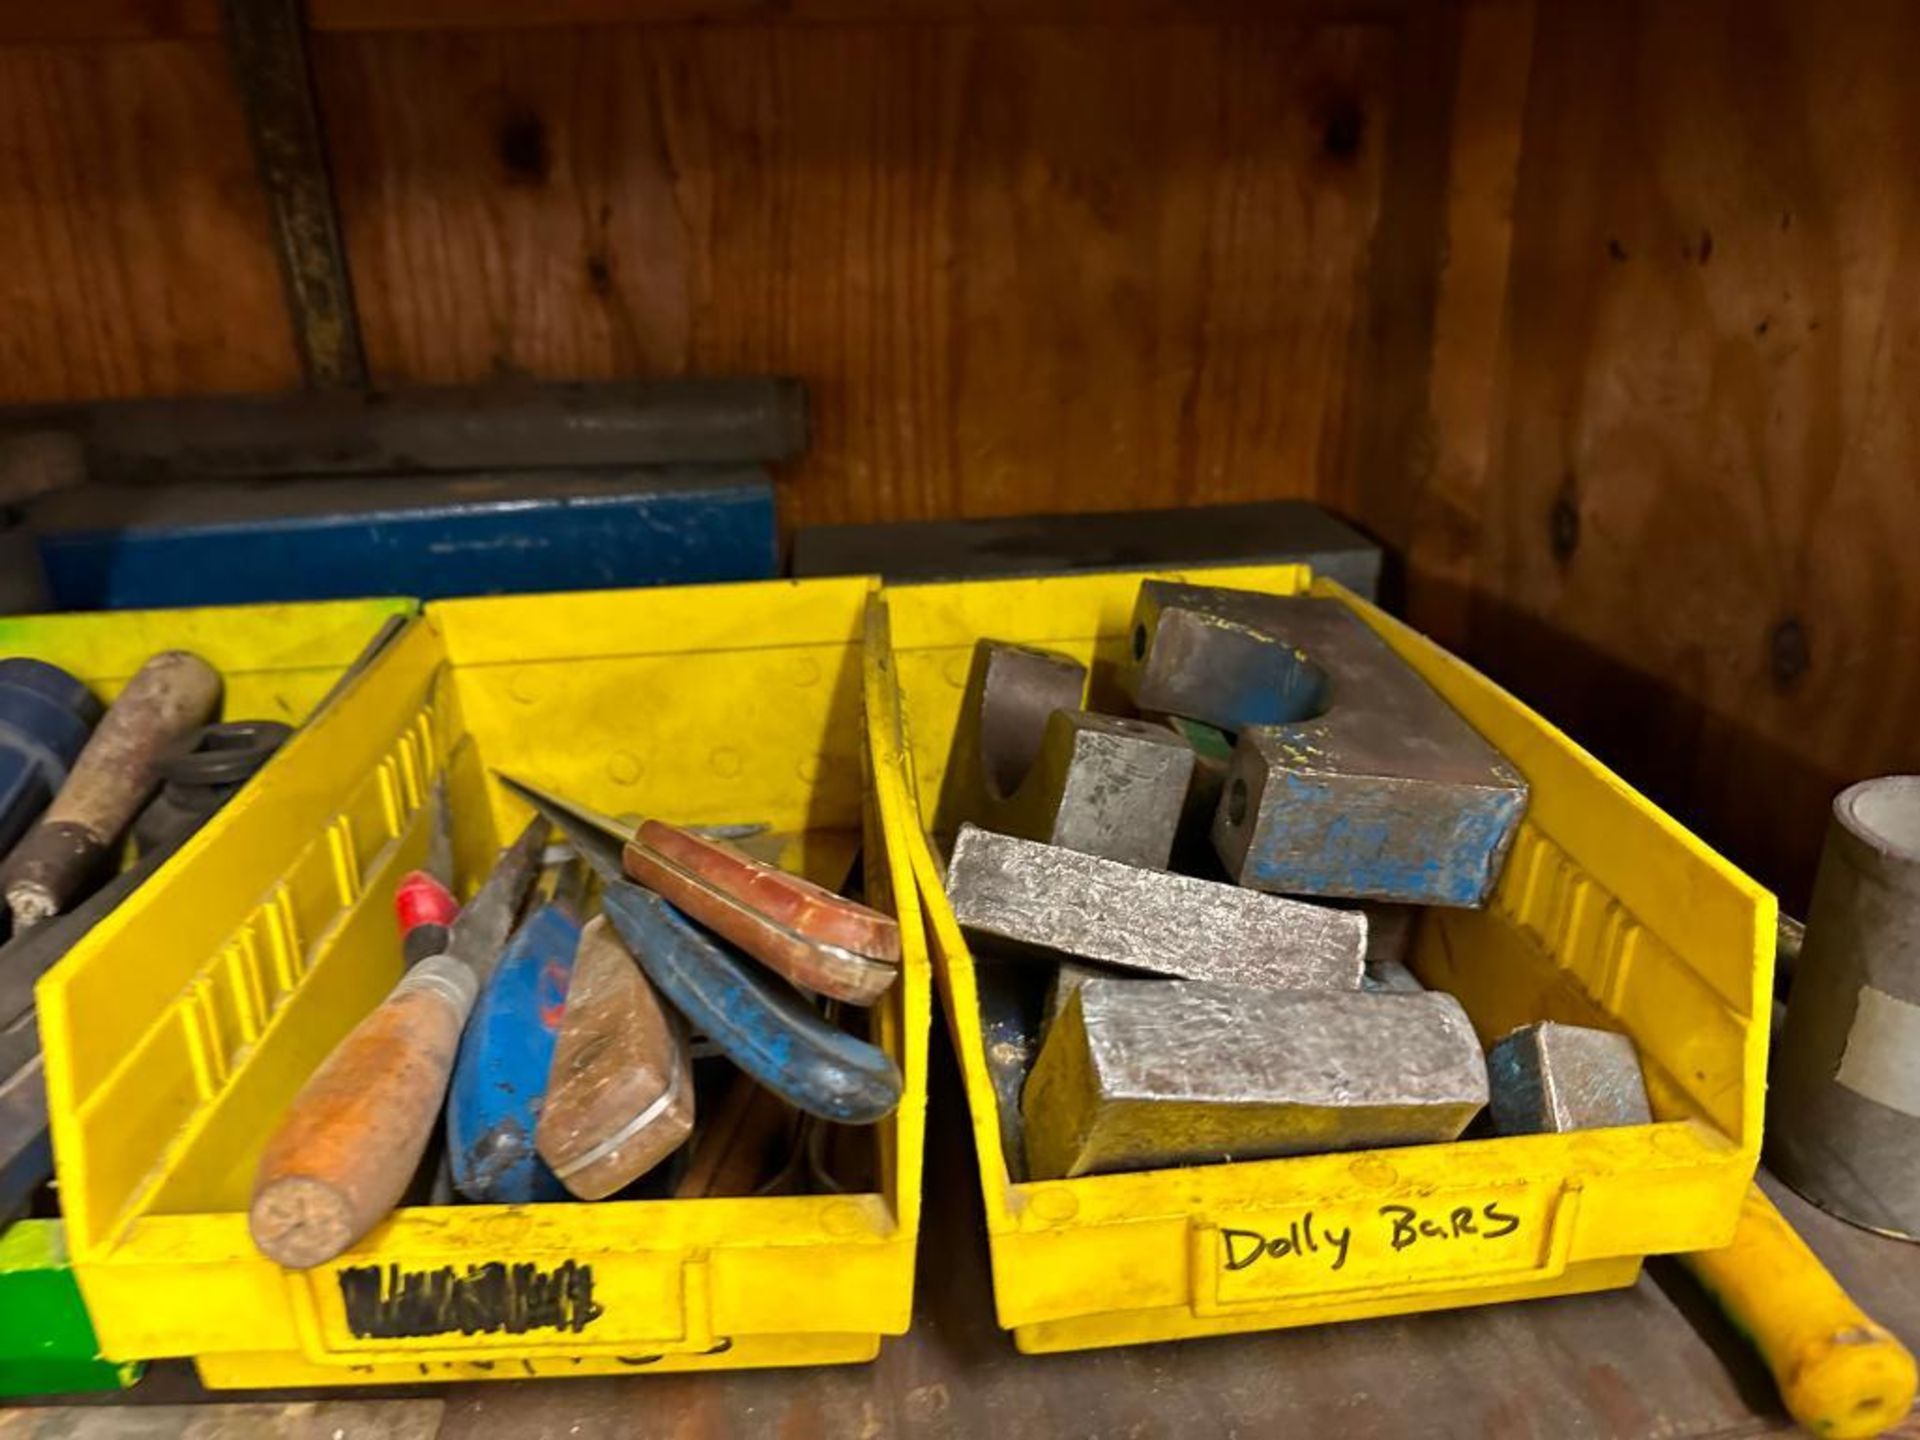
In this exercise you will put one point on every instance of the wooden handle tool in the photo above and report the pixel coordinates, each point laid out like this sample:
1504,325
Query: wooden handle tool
172,695
348,1147
1841,1375
788,900
774,925
815,938
620,1096
761,1024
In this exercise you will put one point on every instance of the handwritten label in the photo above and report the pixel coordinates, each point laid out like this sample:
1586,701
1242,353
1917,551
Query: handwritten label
1350,1246
386,1302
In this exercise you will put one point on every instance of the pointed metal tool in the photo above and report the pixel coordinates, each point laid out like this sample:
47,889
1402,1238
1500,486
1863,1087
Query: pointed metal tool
763,1025
819,940
424,903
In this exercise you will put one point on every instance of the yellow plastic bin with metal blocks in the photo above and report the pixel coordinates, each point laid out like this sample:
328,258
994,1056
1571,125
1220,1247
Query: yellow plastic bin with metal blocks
1607,913
178,1034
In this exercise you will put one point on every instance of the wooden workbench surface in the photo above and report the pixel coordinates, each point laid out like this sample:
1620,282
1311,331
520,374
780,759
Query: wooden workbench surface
1655,1360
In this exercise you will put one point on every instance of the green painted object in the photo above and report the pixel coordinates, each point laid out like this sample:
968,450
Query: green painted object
47,1344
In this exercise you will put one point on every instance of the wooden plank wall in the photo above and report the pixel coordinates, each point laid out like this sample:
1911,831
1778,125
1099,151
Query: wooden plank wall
1600,314
1078,263
135,257
1679,514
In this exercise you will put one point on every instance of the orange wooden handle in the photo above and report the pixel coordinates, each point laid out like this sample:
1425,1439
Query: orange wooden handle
351,1141
789,900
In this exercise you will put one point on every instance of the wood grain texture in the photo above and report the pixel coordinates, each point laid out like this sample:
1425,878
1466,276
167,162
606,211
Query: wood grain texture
1023,267
517,14
1687,538
134,251
788,899
1380,475
1472,267
106,20
130,1418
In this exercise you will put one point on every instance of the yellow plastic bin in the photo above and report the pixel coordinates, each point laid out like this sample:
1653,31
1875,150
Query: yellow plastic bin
276,661
1608,913
177,1035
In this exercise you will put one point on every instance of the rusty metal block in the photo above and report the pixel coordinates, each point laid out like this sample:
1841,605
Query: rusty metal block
1011,691
1139,1077
1549,1078
1203,659
1028,761
1150,921
1369,785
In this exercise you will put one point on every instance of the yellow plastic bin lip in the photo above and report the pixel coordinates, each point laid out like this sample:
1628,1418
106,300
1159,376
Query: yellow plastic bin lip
316,639
1127,1258
811,1279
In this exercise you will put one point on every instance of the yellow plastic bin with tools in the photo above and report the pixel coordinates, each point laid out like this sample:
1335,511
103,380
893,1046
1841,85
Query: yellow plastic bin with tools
277,662
177,1035
1607,913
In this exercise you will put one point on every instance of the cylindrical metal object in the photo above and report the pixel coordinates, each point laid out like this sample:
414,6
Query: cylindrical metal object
199,773
174,693
1843,1122
676,421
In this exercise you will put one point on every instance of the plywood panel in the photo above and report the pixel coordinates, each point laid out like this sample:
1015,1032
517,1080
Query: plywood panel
95,20
134,251
1024,267
1693,539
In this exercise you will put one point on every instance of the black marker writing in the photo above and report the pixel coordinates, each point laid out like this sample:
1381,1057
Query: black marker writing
1407,1225
1301,1238
386,1302
1505,1224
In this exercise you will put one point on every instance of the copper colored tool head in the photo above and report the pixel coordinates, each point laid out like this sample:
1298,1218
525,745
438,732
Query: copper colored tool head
813,937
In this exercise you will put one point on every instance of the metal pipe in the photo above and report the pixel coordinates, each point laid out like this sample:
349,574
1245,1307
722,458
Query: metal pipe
490,427
1844,1107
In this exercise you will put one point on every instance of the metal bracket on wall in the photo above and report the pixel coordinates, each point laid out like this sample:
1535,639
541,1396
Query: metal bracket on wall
266,41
